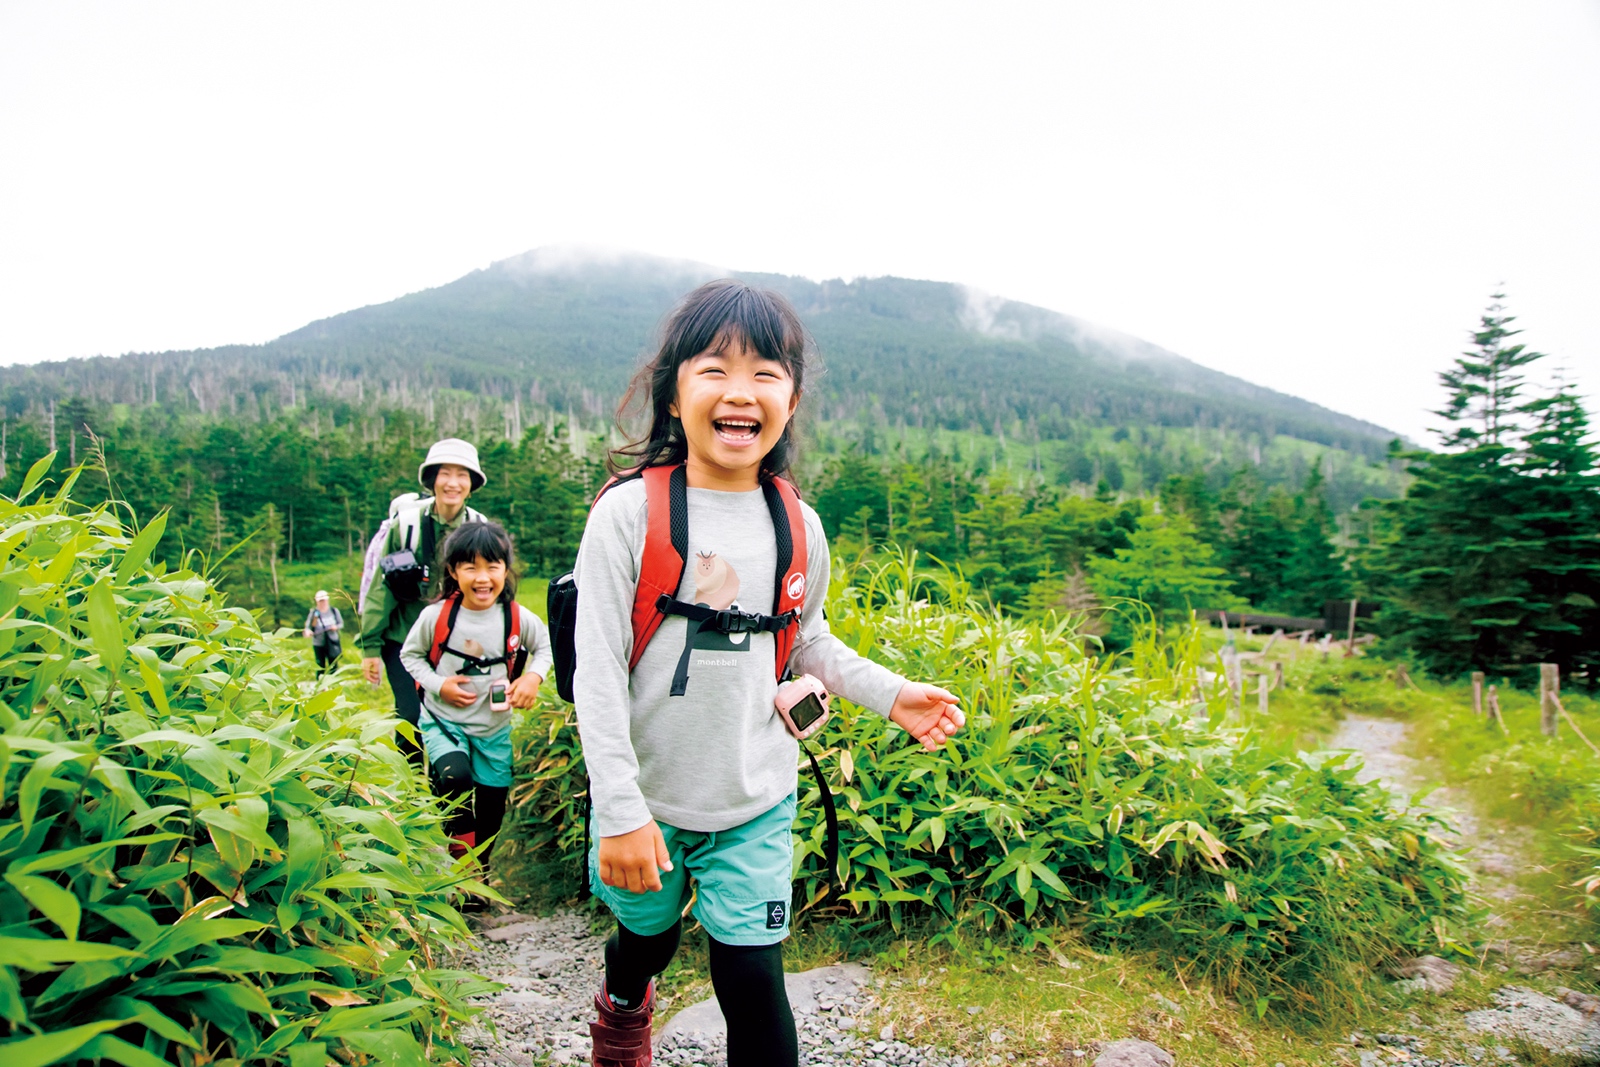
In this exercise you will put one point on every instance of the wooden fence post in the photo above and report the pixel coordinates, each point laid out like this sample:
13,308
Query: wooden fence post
1492,703
1549,687
1277,674
1350,642
1232,675
1477,693
1261,693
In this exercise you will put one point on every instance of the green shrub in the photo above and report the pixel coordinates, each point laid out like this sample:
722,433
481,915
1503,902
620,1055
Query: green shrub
204,860
1086,792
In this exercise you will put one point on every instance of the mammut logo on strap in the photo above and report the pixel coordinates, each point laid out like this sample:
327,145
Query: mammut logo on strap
797,585
777,913
513,641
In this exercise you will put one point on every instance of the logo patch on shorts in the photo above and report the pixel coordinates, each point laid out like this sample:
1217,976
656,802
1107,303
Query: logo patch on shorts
777,913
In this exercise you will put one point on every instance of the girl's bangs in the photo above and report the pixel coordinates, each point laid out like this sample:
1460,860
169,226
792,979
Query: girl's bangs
477,540
738,314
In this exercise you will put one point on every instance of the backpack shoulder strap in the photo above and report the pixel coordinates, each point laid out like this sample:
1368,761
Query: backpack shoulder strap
427,540
449,608
789,524
516,654
666,550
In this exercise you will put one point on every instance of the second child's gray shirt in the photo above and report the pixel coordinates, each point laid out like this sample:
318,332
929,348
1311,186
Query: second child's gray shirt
481,634
719,755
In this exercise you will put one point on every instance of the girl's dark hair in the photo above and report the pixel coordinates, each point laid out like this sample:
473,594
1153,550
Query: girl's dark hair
715,315
477,540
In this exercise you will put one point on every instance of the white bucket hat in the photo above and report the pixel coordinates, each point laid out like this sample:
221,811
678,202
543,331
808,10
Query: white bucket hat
451,450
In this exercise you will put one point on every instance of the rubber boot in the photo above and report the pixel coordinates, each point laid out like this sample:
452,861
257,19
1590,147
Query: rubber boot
461,844
622,1038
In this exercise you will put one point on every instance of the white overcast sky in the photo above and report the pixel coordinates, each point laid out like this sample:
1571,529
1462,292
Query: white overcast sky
1316,197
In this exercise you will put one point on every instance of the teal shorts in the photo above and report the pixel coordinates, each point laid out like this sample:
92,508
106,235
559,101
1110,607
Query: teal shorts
742,876
490,757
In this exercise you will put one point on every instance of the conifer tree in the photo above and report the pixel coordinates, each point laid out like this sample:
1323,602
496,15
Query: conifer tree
1483,562
1562,491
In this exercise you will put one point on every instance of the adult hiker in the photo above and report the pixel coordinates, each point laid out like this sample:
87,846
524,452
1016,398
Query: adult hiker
407,568
323,626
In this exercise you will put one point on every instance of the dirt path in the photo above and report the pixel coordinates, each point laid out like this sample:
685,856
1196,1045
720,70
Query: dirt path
1522,935
1519,923
1498,856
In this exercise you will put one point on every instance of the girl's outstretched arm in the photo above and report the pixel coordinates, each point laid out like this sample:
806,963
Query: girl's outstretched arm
927,713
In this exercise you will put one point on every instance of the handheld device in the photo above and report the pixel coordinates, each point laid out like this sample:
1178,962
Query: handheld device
803,706
498,700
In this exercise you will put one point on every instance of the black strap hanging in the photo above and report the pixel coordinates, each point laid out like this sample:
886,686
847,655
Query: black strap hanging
831,816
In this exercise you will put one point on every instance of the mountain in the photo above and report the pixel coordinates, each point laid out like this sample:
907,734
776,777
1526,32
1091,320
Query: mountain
555,332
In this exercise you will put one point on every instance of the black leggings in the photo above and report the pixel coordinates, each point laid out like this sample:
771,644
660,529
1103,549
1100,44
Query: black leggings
452,777
407,704
748,980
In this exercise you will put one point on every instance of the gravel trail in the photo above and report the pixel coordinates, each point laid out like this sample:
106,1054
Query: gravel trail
551,967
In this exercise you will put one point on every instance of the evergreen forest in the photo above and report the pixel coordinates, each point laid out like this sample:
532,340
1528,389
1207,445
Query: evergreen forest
1059,466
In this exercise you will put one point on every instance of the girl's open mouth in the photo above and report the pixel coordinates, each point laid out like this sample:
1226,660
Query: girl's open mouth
737,431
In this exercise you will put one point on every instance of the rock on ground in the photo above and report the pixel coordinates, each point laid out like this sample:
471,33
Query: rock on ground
808,992
1130,1052
1536,1018
1437,975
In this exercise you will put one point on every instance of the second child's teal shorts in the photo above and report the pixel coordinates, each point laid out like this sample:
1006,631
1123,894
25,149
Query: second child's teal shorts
742,880
490,756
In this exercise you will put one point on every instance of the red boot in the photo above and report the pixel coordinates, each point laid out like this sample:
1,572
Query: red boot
622,1038
461,844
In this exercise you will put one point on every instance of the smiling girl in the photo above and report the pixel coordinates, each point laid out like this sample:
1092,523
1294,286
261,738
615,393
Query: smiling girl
475,653
692,770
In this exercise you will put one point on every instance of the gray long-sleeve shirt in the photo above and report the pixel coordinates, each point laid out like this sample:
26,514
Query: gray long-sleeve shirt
719,755
481,635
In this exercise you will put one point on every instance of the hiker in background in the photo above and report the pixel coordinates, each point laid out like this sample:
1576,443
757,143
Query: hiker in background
475,653
323,626
405,571
703,785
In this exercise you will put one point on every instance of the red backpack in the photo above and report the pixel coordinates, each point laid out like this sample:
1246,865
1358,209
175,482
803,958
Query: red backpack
515,656
666,551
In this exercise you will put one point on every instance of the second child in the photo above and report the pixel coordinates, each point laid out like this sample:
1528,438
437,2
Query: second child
476,654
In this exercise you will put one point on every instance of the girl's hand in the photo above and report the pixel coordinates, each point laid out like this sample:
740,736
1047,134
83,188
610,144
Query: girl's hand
927,713
525,690
633,861
458,690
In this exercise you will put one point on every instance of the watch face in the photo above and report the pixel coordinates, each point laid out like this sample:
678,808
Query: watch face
808,711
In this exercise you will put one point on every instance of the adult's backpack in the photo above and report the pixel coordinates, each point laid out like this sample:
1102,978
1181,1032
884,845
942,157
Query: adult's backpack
408,570
369,563
661,569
